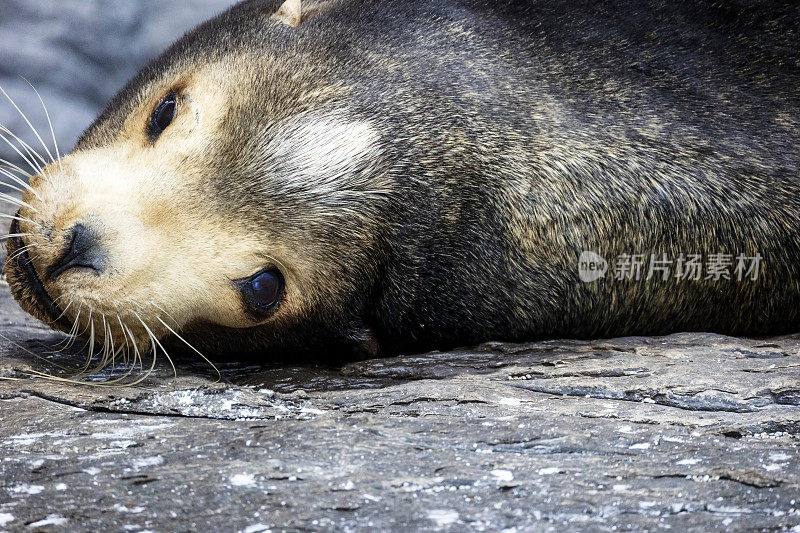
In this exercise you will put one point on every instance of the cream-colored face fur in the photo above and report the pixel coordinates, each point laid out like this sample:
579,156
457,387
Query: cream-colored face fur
172,256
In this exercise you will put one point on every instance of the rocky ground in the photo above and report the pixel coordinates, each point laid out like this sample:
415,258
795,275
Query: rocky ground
690,431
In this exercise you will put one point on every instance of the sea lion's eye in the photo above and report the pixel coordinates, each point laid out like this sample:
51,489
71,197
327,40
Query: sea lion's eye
162,116
263,291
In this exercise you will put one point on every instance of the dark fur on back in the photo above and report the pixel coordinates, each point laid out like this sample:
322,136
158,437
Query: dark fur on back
516,135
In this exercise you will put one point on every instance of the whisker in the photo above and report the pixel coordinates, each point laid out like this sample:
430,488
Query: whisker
10,235
30,352
31,162
12,187
104,354
108,352
155,353
19,182
136,355
49,123
106,340
20,252
125,338
156,341
73,334
114,354
74,380
12,166
126,331
219,374
8,199
90,355
30,150
49,361
113,351
64,311
36,356
35,132
169,315
73,331
14,201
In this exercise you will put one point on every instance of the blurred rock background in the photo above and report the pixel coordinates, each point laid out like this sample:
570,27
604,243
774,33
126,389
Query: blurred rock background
78,54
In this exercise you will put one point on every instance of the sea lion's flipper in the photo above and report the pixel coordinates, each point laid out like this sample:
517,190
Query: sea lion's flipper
365,343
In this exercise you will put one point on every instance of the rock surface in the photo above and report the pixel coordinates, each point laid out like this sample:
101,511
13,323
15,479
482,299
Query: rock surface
688,432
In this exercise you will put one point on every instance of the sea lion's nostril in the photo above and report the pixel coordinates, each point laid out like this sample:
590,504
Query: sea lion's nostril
84,252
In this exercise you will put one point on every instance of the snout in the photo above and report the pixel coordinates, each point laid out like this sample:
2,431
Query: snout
26,285
84,252
41,252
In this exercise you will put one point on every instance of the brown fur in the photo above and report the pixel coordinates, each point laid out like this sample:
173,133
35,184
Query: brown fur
426,174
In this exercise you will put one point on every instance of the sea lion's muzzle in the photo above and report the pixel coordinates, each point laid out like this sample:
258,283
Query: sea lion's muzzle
84,251
26,285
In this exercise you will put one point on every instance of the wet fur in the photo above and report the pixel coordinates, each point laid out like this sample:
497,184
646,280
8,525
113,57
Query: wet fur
511,136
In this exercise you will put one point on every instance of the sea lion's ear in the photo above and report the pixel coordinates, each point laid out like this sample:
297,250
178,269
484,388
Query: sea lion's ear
290,13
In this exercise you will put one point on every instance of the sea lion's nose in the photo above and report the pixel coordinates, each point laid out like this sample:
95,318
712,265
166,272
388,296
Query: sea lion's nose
84,252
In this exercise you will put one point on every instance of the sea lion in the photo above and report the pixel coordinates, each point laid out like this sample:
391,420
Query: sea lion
373,176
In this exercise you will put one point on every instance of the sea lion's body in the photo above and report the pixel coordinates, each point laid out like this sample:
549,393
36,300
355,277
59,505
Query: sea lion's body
512,137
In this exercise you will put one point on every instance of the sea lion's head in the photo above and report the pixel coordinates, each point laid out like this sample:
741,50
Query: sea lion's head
229,190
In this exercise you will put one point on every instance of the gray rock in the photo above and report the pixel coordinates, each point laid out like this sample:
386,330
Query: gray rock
690,432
